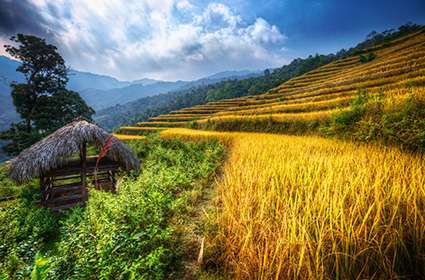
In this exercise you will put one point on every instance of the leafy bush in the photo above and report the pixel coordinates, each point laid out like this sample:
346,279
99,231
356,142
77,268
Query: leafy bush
368,119
24,231
341,122
7,187
367,57
130,235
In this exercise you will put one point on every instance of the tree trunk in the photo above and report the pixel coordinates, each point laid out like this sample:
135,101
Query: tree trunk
28,125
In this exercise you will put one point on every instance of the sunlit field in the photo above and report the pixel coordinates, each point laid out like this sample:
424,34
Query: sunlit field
314,96
290,207
201,140
307,207
125,137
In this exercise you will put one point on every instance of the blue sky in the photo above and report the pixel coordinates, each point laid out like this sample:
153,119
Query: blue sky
188,39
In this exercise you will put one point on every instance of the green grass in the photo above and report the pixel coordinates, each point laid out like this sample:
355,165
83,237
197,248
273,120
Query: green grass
370,120
131,235
7,188
393,117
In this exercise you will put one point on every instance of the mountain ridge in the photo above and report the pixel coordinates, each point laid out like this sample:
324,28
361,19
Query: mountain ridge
101,91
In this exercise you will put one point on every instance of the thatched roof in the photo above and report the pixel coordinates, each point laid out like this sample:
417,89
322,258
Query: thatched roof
53,151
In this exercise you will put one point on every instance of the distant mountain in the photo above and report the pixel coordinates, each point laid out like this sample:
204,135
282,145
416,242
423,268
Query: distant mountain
100,99
196,92
144,81
101,91
84,80
223,76
235,74
131,91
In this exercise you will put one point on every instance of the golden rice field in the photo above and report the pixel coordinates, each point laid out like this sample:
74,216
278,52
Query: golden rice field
323,110
305,207
294,207
316,95
125,137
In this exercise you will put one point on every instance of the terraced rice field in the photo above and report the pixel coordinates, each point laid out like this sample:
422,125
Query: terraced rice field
306,207
318,94
125,137
292,207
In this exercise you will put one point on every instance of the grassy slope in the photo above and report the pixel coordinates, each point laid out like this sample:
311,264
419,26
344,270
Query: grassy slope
317,102
307,207
135,234
294,207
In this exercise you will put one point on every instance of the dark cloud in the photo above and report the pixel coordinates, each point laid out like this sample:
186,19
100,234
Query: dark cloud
21,16
191,49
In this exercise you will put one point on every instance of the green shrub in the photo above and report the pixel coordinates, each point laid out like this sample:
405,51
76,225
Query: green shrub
130,235
367,120
192,125
24,231
405,125
367,57
342,122
7,187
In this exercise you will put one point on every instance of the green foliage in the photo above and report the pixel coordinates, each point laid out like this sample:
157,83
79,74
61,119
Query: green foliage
20,138
24,231
131,235
42,102
41,268
7,187
192,125
368,120
404,125
68,105
42,65
384,38
341,121
367,57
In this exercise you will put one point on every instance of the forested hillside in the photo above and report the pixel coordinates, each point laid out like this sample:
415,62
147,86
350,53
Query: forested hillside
142,109
354,97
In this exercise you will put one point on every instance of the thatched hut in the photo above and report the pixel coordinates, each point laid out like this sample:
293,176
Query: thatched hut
60,161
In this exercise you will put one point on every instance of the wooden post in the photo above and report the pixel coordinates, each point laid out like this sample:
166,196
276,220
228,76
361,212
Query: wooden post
83,162
113,182
43,190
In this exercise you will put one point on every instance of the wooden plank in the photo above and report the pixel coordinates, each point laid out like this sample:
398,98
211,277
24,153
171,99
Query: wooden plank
62,190
70,177
13,197
68,199
83,155
63,178
75,169
59,194
66,206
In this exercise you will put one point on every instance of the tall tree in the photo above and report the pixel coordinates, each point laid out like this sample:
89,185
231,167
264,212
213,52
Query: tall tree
42,101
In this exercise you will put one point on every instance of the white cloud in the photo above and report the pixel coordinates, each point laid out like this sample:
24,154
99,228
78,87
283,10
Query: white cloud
262,32
218,16
183,5
167,39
